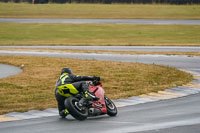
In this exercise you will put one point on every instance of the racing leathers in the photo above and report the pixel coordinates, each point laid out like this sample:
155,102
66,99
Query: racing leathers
69,85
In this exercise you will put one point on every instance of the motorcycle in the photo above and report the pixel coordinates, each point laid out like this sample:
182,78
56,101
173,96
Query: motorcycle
81,108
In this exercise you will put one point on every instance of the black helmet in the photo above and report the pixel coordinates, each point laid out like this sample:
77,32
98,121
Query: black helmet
66,70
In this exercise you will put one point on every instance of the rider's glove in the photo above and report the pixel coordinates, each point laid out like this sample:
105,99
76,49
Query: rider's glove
96,78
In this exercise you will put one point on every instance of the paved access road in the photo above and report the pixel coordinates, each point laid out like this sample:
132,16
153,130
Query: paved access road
179,115
102,21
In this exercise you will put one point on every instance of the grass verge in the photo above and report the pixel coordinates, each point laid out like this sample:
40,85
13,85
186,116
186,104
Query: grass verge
108,11
34,87
95,34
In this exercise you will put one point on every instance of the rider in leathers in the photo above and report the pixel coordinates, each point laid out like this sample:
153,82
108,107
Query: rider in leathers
69,84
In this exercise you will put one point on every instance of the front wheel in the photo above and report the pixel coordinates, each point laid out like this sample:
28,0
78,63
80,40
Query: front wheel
111,108
78,112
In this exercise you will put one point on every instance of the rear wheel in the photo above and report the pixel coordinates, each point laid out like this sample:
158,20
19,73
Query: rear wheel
78,112
111,108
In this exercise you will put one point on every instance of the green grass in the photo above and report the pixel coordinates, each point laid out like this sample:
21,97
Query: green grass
124,11
34,87
95,34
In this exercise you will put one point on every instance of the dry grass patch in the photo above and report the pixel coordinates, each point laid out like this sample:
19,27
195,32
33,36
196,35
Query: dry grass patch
34,87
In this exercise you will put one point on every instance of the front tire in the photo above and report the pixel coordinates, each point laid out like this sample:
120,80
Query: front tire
111,108
79,113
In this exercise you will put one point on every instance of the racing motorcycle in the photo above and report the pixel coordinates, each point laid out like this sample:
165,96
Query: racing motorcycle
81,108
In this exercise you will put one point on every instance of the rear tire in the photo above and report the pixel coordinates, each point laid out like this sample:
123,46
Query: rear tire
111,108
79,113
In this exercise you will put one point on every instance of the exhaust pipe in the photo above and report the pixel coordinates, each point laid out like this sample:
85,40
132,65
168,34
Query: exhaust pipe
94,111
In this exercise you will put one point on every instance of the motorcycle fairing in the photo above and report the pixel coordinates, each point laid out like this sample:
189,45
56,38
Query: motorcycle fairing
99,92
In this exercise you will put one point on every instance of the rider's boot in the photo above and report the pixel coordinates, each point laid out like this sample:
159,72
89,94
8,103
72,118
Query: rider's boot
63,113
88,95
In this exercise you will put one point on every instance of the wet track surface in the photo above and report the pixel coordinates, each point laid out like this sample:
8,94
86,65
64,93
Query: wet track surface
119,48
181,62
180,115
102,21
156,116
8,70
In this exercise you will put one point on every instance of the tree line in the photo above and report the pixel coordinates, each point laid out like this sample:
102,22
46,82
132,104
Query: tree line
177,2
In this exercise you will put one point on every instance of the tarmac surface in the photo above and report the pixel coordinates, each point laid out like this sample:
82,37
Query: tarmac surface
102,21
8,70
119,48
147,114
179,115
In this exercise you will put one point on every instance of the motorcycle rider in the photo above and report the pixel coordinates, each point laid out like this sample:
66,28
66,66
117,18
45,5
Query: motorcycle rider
69,84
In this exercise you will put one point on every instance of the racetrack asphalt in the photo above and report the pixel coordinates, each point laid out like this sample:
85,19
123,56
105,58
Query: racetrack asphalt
102,21
172,115
8,70
161,116
119,48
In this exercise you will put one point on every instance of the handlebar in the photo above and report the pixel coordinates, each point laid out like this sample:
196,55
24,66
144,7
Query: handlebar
94,83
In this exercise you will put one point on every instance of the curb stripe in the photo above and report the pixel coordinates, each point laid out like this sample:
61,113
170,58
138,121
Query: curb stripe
167,93
195,85
4,118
